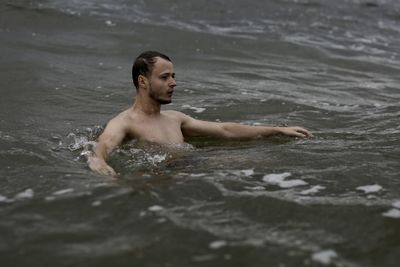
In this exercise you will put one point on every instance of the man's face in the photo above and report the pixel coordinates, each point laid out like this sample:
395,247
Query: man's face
162,81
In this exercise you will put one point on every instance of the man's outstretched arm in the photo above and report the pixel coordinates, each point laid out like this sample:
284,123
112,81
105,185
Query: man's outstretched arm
228,130
113,135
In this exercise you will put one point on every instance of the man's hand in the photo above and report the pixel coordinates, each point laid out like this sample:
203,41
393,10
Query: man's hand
111,137
100,166
294,131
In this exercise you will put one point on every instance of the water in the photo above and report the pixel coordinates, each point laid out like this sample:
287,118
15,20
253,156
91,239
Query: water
330,66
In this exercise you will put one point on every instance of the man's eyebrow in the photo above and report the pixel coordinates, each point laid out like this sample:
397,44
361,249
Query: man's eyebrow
168,73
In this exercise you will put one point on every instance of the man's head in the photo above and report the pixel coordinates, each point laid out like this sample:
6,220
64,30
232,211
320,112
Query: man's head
154,77
144,64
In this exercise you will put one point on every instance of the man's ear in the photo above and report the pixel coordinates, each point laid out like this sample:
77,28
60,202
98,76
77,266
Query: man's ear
142,81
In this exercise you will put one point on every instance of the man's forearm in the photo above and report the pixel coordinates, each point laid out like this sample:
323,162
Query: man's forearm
100,151
237,131
97,161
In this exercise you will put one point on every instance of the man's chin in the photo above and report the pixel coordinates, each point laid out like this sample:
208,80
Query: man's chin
164,101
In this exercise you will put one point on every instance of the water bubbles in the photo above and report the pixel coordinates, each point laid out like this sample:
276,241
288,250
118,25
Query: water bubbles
82,141
78,143
155,159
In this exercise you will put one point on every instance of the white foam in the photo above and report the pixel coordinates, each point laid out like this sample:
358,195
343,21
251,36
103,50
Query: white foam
197,175
392,213
396,204
50,198
197,110
3,198
248,172
155,208
96,203
255,188
279,179
312,190
324,257
110,23
370,188
157,158
292,183
63,192
217,244
142,214
28,193
276,177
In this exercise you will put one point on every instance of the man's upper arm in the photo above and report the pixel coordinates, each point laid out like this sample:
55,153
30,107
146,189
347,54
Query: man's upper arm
113,135
194,127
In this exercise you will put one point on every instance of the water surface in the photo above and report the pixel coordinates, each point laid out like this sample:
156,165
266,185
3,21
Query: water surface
330,66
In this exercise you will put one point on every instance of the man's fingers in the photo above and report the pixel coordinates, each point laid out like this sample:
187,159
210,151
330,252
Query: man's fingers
299,134
304,133
108,171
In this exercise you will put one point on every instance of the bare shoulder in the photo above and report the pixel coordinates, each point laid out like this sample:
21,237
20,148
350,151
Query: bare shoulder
177,115
120,121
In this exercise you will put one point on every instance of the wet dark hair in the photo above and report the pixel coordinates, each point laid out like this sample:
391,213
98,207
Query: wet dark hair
144,63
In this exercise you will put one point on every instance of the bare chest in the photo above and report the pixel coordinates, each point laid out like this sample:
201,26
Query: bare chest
162,131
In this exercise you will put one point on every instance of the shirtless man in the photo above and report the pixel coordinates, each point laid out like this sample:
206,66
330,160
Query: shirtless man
154,78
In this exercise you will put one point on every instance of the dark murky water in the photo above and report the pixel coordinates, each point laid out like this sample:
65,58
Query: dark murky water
330,66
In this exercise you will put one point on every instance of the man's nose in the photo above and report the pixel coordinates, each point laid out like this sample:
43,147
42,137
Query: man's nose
172,82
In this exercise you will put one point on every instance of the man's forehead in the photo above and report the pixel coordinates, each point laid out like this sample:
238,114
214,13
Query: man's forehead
162,65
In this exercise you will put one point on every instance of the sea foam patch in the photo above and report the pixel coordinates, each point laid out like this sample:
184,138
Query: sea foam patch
396,204
197,110
279,179
28,193
3,199
217,244
156,208
392,213
367,189
63,191
246,172
313,190
324,257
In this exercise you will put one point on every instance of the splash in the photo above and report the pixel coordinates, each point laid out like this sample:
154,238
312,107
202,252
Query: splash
127,157
82,141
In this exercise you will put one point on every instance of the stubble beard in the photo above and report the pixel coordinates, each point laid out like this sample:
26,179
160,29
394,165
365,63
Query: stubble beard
158,99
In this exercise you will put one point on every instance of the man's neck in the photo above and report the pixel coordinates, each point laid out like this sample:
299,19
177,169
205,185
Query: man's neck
149,107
